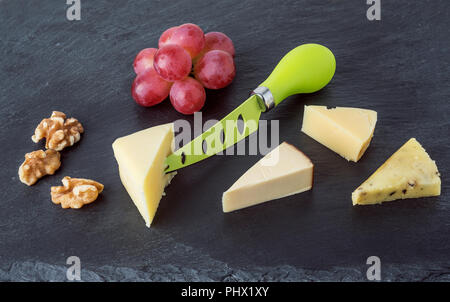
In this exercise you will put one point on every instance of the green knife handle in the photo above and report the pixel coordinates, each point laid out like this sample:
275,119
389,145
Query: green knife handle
305,69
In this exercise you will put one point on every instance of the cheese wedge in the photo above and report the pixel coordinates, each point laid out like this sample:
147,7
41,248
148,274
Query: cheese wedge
408,173
141,158
282,172
346,131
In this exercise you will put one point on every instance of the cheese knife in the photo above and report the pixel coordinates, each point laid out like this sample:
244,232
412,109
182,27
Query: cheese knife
305,69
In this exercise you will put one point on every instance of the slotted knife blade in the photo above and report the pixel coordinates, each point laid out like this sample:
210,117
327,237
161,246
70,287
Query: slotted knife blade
305,69
220,136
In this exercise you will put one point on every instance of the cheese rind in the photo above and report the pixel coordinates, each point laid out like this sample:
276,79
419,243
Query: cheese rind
141,157
346,131
282,172
408,173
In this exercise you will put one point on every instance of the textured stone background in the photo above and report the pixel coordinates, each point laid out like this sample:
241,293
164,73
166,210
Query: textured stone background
398,66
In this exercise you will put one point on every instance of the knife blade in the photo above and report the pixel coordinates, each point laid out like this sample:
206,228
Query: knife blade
305,69
220,136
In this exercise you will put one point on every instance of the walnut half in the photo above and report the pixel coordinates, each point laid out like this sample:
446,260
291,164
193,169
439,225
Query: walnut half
76,192
58,131
38,164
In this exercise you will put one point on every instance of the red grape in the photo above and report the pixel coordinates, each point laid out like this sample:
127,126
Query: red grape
149,88
215,69
172,62
144,60
187,96
166,36
189,36
217,41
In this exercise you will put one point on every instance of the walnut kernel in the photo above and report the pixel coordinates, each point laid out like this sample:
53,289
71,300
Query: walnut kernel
76,192
38,164
58,131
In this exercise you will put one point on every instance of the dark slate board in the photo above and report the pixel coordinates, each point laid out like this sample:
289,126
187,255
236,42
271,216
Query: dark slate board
398,66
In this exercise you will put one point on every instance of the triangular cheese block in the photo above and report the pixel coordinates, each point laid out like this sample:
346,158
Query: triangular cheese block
141,158
346,131
408,173
282,172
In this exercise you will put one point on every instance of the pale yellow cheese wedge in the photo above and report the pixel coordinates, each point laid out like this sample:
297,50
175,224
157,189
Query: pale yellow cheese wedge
346,131
408,173
141,157
282,172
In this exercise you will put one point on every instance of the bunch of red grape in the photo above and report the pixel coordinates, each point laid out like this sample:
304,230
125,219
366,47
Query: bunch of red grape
183,50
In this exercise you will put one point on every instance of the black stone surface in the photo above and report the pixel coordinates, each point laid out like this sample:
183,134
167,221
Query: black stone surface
398,66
